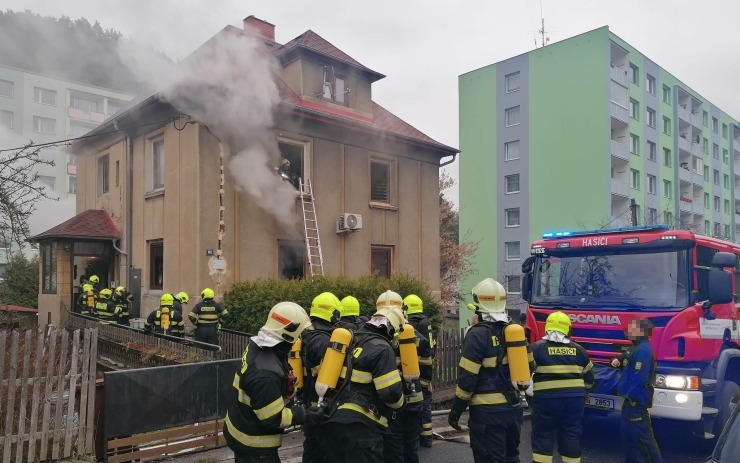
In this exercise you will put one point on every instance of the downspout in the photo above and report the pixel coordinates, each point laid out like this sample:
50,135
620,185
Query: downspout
454,156
118,250
129,205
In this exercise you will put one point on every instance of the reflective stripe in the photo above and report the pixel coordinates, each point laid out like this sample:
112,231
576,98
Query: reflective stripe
425,360
588,367
426,433
425,382
270,410
287,418
462,394
469,365
539,458
362,377
415,398
315,371
494,398
387,380
426,426
570,460
252,441
530,356
243,397
383,421
398,404
558,384
558,369
490,362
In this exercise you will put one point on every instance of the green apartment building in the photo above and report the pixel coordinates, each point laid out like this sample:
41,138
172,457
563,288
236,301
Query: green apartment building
565,136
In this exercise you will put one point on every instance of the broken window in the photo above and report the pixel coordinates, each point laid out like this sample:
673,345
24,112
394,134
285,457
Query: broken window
380,181
291,163
291,260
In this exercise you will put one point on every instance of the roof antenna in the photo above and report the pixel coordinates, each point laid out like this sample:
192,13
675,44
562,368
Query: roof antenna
544,39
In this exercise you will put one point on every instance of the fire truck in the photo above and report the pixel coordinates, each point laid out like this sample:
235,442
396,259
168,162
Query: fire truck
683,282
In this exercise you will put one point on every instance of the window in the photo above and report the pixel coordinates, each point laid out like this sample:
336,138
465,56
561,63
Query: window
340,90
72,184
652,216
715,151
705,118
706,227
669,218
335,86
381,260
667,189
706,200
666,126
652,151
727,206
706,146
380,182
44,124
512,150
7,88
49,268
651,117
291,260
512,183
294,170
725,156
103,175
667,157
726,181
512,116
638,211
512,217
512,82
156,264
666,94
635,179
724,131
114,106
83,104
650,84
716,203
715,125
651,184
78,129
727,237
716,177
156,148
44,96
512,250
6,119
706,173
634,144
717,229
634,109
117,174
634,74
47,181
513,284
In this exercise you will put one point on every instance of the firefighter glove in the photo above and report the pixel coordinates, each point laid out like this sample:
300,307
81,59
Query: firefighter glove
454,418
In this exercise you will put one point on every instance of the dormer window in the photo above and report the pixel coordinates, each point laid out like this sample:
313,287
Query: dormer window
335,86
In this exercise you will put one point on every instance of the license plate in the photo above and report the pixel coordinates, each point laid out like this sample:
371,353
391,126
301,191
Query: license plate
600,402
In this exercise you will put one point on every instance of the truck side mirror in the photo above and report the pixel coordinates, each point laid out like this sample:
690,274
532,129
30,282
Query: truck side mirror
720,286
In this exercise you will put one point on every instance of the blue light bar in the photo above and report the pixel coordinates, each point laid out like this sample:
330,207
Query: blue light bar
603,231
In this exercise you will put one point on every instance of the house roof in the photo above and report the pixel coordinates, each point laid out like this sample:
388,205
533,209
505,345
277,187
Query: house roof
17,308
95,224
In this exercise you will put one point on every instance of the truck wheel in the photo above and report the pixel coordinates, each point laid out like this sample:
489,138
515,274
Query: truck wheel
727,393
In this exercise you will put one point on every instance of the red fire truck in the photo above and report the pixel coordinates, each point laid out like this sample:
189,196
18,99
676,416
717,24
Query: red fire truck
683,282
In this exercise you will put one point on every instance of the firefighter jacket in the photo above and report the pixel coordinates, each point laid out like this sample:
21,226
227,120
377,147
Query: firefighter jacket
414,401
123,304
375,390
86,302
638,374
313,347
421,323
207,314
352,322
561,370
483,378
176,304
107,311
158,319
257,412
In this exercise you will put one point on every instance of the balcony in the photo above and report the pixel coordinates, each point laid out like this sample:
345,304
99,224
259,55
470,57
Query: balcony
620,113
698,207
620,150
71,169
684,144
619,76
697,119
685,204
620,188
684,114
697,179
83,115
684,175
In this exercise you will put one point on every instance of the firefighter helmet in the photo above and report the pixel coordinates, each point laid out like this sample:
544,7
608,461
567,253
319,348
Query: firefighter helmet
327,307
413,304
394,315
389,299
166,300
287,320
87,287
94,279
120,290
207,294
350,306
558,321
489,296
183,297
105,293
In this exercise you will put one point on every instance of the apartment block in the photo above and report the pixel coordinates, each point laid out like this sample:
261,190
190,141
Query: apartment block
568,135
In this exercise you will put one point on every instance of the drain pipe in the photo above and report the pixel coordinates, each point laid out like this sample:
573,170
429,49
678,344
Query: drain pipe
454,156
119,250
129,205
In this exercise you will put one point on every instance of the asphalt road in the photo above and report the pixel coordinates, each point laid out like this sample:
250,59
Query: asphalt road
601,444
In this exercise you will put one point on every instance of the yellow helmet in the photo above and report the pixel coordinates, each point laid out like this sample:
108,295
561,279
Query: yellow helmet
183,297
105,293
166,300
350,306
489,296
87,287
207,294
120,290
558,321
326,306
413,304
389,299
94,279
287,320
394,315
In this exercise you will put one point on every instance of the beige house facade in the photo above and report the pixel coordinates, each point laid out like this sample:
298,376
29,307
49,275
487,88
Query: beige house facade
184,228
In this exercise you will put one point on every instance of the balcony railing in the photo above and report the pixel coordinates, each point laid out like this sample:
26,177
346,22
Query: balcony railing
71,169
697,119
684,175
697,179
620,113
620,150
685,204
619,76
684,114
620,188
698,207
84,115
684,144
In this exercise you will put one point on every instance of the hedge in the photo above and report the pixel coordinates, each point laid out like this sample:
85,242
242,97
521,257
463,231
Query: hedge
249,302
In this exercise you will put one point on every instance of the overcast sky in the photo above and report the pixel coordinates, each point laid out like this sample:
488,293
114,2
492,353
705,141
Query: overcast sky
424,45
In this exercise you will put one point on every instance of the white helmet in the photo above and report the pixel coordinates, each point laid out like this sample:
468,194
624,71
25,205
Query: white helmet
489,296
389,299
287,320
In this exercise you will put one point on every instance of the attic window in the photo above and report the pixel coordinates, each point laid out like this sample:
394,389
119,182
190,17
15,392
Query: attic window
335,86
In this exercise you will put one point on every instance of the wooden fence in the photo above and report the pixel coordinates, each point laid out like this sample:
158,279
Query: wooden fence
449,350
47,394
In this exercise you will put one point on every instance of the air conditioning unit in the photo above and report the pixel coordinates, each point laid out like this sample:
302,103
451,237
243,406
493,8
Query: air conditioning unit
349,222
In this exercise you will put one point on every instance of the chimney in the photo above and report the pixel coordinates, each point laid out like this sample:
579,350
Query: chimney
260,28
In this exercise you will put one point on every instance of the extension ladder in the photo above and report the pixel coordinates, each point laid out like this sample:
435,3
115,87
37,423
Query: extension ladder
311,229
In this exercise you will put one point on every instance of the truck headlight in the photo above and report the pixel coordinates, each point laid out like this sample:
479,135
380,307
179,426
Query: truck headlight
690,383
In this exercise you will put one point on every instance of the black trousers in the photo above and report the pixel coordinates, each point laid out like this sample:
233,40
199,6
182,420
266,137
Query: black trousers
352,442
401,445
494,435
426,421
638,439
258,456
557,419
312,450
207,334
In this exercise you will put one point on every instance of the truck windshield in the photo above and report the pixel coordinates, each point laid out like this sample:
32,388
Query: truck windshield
613,281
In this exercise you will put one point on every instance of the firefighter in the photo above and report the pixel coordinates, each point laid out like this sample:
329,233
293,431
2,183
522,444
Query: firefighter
257,413
105,309
402,444
180,299
122,299
86,300
206,316
165,320
324,314
636,387
350,317
372,395
85,277
94,281
562,375
414,308
484,381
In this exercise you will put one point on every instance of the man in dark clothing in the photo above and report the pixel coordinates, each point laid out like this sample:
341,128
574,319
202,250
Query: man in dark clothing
414,309
350,317
181,299
122,299
636,387
206,316
484,381
105,309
86,300
165,320
562,375
259,409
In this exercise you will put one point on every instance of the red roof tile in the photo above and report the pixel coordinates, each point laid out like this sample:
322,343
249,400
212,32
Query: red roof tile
386,120
92,223
313,41
17,308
